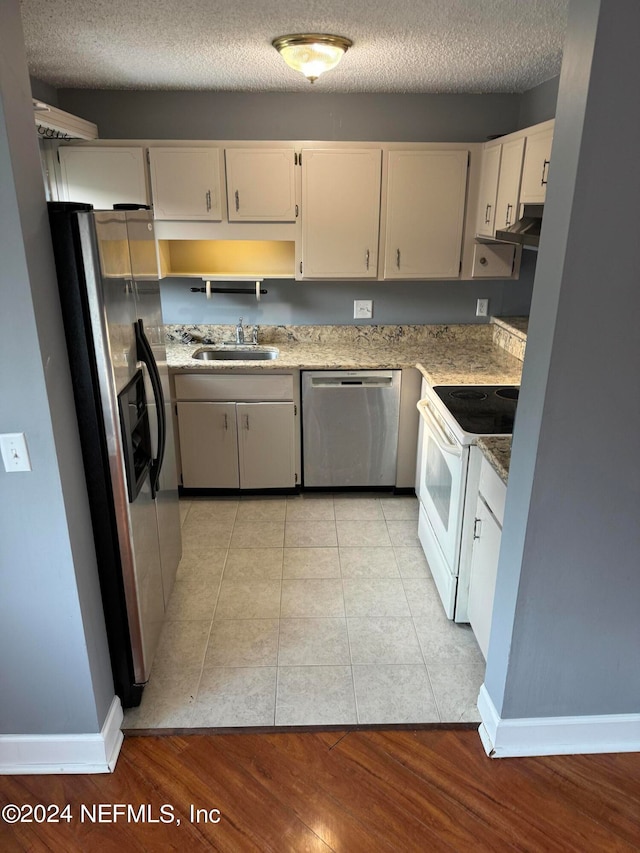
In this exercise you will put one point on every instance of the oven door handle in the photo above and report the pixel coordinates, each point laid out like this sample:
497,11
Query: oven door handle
436,431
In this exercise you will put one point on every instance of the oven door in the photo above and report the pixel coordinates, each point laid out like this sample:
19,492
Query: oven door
442,475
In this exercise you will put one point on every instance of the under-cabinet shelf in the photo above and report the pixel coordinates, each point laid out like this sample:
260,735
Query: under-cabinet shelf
226,259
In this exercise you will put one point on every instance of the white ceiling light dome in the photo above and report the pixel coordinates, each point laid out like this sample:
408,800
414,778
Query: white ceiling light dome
312,53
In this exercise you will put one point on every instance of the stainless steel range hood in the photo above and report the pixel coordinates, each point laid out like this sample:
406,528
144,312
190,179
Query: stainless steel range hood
526,231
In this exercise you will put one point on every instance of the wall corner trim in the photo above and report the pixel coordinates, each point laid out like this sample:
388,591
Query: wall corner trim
74,753
555,735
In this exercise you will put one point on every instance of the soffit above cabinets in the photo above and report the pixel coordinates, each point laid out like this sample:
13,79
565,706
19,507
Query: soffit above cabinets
405,46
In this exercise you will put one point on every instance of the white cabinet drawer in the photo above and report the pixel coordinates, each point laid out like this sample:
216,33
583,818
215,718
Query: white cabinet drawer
233,386
493,260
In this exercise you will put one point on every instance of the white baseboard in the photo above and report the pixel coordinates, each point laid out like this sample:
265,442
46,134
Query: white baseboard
42,754
555,735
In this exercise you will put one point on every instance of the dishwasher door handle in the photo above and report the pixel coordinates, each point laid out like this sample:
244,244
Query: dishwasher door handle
373,382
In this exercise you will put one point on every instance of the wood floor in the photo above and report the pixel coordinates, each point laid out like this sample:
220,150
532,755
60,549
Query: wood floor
428,790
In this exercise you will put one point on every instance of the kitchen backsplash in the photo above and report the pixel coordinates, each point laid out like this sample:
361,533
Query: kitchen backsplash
328,334
510,333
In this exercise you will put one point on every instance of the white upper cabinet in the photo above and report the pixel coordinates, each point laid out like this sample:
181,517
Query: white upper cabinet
260,185
487,197
185,183
103,176
426,193
509,183
535,171
340,213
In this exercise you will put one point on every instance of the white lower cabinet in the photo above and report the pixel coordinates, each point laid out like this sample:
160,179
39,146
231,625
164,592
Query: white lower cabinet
208,445
266,446
237,444
486,549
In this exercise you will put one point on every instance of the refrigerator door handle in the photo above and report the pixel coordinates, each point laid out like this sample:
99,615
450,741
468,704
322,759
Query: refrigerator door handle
145,355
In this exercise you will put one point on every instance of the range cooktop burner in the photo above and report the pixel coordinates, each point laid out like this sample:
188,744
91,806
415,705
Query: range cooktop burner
508,393
481,409
468,394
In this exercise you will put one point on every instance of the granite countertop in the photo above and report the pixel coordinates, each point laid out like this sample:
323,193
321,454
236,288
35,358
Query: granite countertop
497,450
518,326
446,355
475,364
510,333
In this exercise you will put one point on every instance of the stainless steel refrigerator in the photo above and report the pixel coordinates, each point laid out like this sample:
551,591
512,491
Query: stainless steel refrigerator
107,271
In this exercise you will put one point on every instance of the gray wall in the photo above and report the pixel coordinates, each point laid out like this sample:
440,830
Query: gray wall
566,631
538,104
54,666
297,302
241,115
44,92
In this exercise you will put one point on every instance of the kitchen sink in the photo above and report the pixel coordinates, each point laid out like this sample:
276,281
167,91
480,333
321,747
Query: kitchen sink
236,353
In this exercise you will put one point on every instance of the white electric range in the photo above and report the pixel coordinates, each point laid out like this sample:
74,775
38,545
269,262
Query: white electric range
447,476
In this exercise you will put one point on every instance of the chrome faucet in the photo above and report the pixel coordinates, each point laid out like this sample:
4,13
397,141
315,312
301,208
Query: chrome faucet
239,332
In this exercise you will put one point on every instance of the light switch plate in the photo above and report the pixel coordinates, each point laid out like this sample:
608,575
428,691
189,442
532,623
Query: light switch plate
15,453
362,309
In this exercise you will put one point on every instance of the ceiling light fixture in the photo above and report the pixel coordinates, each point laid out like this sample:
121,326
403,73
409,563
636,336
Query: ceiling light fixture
312,53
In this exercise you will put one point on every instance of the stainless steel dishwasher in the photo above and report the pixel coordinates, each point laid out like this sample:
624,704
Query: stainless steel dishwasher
350,427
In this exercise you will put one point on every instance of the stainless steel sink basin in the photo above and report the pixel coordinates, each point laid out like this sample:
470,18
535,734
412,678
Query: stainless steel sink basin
236,353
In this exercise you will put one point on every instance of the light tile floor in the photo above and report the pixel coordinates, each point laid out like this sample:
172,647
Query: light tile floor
313,609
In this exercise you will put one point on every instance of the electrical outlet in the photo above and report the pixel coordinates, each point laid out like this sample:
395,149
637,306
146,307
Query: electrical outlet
362,309
15,454
482,307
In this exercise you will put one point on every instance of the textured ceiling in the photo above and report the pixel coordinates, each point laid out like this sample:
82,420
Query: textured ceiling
225,45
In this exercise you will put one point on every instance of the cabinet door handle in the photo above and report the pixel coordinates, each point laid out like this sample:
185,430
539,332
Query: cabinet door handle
297,211
208,200
487,214
246,422
366,259
545,173
226,421
237,201
477,528
508,217
398,258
